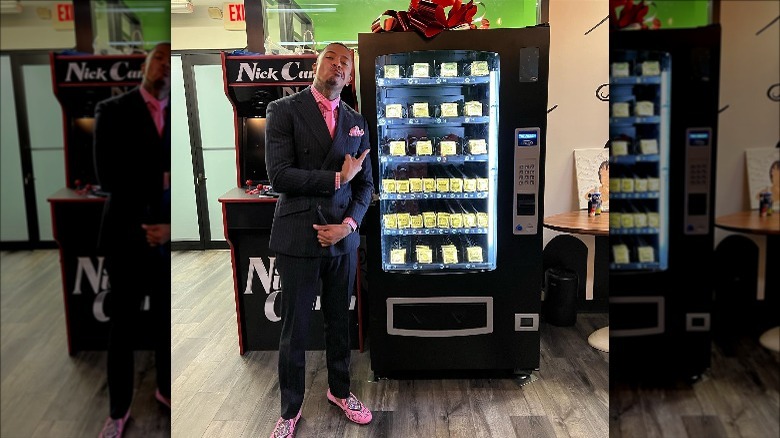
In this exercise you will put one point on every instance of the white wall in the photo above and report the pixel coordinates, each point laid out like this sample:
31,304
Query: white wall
25,31
186,38
198,31
579,64
750,64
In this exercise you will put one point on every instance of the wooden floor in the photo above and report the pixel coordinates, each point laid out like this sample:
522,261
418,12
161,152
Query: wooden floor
45,392
218,393
736,397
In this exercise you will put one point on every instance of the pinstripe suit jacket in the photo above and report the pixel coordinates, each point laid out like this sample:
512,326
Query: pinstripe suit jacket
130,159
302,161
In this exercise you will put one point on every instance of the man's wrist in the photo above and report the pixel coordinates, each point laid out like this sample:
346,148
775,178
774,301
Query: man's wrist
350,223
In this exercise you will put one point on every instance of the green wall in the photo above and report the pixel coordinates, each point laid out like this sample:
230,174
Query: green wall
156,25
355,16
682,13
672,14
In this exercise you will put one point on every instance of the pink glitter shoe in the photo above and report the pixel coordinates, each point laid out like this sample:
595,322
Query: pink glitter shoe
114,428
285,428
355,411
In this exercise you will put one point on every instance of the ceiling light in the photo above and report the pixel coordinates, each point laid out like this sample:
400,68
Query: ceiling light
10,7
43,13
215,13
296,10
181,7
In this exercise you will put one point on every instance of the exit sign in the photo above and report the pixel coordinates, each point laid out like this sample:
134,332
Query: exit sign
233,16
63,16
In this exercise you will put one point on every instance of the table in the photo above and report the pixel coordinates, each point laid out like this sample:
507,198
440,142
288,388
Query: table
578,222
750,222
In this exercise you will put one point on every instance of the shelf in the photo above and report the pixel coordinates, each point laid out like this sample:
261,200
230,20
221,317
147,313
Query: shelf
436,267
433,231
455,195
459,80
633,159
654,266
449,159
634,195
635,80
426,121
646,120
635,230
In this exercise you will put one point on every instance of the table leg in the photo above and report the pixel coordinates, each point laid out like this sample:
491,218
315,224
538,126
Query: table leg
589,275
770,339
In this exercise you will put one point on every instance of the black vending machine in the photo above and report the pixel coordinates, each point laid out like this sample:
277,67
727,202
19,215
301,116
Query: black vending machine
663,133
458,128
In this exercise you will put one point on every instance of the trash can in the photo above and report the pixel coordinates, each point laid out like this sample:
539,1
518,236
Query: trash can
560,302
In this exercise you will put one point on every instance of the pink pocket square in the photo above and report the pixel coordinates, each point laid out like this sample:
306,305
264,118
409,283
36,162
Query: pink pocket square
356,132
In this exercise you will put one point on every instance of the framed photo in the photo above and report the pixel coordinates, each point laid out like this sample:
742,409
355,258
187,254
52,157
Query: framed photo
763,171
592,169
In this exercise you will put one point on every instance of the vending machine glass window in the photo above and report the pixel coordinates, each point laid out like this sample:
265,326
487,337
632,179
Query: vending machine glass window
639,181
437,127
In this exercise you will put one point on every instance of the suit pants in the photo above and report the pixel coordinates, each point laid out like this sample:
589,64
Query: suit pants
300,280
133,276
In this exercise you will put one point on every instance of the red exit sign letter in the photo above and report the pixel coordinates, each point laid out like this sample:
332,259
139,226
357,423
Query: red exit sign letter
236,12
233,16
64,12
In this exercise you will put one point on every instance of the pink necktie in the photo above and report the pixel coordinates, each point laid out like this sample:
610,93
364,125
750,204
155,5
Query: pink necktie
157,116
330,121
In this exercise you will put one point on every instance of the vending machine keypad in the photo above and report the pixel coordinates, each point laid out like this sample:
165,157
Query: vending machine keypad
698,148
526,175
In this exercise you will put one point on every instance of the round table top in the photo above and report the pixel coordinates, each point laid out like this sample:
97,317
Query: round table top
750,222
578,222
600,339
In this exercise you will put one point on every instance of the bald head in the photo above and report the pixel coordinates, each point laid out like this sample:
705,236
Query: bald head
333,70
157,70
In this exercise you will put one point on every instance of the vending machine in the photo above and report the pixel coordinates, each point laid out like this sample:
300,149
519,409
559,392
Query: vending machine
458,127
663,129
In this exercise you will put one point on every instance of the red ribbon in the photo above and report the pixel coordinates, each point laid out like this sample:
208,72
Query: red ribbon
632,15
428,18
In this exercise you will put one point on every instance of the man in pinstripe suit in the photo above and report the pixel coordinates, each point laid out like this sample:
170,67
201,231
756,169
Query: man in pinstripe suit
316,149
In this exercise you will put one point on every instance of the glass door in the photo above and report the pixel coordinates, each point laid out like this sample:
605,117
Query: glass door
437,118
639,135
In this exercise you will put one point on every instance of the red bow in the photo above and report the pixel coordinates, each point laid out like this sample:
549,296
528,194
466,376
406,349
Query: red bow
632,15
429,19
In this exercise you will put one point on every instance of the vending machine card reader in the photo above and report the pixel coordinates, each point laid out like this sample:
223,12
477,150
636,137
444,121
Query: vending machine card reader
526,180
698,149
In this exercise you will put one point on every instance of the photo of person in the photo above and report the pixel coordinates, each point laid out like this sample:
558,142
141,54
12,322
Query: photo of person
592,168
774,189
603,187
763,168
